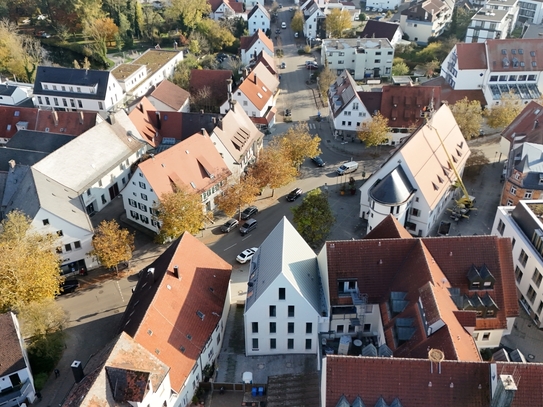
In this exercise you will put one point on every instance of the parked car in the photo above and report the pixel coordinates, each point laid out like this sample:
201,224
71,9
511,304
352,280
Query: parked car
246,255
319,162
69,286
312,65
277,31
248,212
283,25
283,65
248,226
229,226
288,113
296,34
280,6
347,168
294,194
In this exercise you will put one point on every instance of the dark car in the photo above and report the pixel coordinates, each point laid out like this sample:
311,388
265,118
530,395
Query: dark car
248,212
288,113
294,194
312,66
319,162
228,226
69,286
277,31
248,226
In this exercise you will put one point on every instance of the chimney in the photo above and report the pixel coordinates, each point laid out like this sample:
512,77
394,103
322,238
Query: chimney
111,119
536,123
233,104
229,91
11,164
81,117
380,43
255,77
55,117
219,124
158,124
77,371
337,44
203,131
176,271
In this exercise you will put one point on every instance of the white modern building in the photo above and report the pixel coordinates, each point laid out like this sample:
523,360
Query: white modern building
251,46
496,20
312,13
258,19
426,19
531,12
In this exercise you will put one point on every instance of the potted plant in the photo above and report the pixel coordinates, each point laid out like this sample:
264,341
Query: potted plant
342,189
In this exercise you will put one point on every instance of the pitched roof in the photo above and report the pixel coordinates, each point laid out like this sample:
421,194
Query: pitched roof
527,126
74,77
268,62
259,86
258,6
153,60
38,141
451,96
11,354
162,313
379,29
285,252
342,92
246,43
503,55
142,117
389,228
88,163
214,79
471,55
170,94
194,163
372,100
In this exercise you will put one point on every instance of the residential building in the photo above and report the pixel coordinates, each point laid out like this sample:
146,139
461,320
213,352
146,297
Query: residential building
362,57
194,165
415,183
168,97
531,12
258,19
16,380
312,15
522,224
257,96
223,9
146,71
383,29
285,304
451,96
237,139
253,45
96,175
213,82
73,89
498,67
382,381
523,174
405,296
525,128
488,24
11,94
382,4
426,19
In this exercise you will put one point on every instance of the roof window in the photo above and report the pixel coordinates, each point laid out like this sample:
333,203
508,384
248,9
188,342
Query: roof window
504,52
513,51
532,53
520,51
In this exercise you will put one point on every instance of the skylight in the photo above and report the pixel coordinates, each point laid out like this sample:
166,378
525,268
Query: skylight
259,95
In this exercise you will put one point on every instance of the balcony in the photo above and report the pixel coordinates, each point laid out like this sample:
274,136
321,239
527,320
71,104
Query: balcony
16,395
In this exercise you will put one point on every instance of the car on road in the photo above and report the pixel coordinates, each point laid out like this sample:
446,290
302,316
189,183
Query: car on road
319,162
368,8
229,226
248,226
246,255
283,65
294,194
69,286
248,212
312,66
283,25
291,8
296,34
277,31
288,113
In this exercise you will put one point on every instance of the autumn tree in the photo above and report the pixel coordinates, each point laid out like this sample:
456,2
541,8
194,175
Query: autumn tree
273,169
297,144
29,263
217,35
326,79
112,245
468,116
188,13
181,75
237,195
375,131
399,67
102,31
19,54
501,116
178,212
337,22
297,22
313,218
40,318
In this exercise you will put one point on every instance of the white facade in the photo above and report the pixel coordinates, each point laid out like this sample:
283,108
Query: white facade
384,4
530,11
364,58
11,95
258,20
488,24
311,13
251,3
420,22
351,117
255,48
462,79
138,201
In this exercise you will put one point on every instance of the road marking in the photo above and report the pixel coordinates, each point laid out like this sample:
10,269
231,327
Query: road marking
246,237
312,126
228,248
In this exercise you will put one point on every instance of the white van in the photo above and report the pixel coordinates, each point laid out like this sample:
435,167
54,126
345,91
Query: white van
347,168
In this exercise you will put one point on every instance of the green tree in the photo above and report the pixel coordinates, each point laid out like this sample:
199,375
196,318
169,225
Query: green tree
188,13
501,116
399,67
337,22
217,35
102,31
181,75
313,218
112,245
468,116
297,144
326,79
29,263
237,195
297,23
273,169
178,212
138,19
375,131
19,54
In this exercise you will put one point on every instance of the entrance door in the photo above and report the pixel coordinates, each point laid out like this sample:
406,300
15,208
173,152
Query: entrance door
113,191
15,379
90,209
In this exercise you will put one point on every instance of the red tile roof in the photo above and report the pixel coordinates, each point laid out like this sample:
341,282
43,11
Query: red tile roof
247,42
142,116
11,355
389,228
471,55
451,96
496,57
527,127
215,80
170,94
259,86
165,319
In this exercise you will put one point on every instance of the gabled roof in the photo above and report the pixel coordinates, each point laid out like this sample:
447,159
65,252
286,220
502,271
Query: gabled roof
268,61
451,96
380,29
214,79
11,354
7,90
87,163
342,93
162,314
310,8
471,55
153,60
285,252
426,10
170,94
38,141
514,54
527,126
142,117
194,164
246,43
73,77
372,100
259,86
258,6
389,228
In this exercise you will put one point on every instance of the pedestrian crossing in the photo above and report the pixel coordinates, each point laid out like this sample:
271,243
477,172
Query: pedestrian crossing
312,126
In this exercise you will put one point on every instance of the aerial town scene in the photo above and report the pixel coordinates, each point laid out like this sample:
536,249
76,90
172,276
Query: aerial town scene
272,203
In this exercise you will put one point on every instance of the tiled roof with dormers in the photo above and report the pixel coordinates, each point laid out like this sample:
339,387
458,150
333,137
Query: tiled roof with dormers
259,86
142,116
342,93
246,43
527,127
514,55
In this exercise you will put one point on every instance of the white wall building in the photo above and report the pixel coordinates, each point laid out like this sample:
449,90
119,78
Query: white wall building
258,19
251,46
531,12
488,24
312,13
426,19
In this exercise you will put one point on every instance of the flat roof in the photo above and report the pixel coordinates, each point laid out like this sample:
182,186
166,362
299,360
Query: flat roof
123,71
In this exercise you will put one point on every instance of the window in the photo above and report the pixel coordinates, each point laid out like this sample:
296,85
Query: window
531,77
132,203
78,89
377,61
273,327
512,78
494,78
60,233
351,329
64,103
40,100
255,343
367,327
523,258
308,327
77,245
509,203
501,227
415,212
513,190
503,78
537,277
531,294
518,274
80,104
144,219
291,311
532,53
68,247
308,344
56,101
339,329
290,344
72,103
144,197
273,311
142,207
486,336
100,106
254,327
273,343
282,294
290,328
134,215
45,222
47,100
540,308
522,78
528,194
